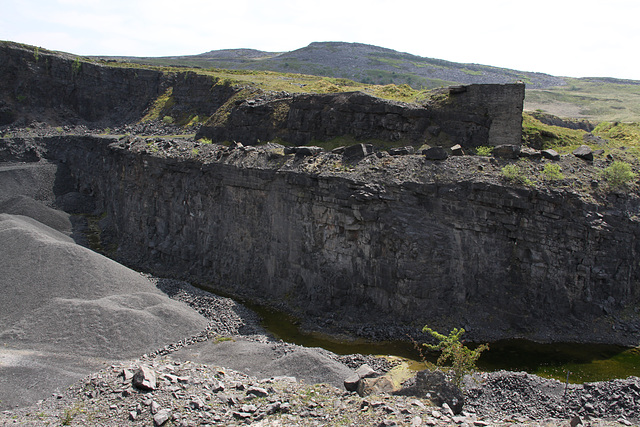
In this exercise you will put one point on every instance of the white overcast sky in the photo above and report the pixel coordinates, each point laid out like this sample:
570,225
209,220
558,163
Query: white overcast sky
583,38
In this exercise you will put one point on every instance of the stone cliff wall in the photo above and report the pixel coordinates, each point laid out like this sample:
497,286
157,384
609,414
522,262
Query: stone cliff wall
471,116
57,88
364,247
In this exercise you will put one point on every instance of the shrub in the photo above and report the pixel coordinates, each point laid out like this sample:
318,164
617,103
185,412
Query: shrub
552,172
619,173
514,173
168,120
76,66
463,359
483,150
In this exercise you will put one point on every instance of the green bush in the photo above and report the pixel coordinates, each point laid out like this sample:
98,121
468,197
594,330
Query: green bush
76,66
483,150
618,174
514,173
552,172
463,359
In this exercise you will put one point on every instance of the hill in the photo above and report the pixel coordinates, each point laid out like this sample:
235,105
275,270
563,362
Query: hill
595,99
359,62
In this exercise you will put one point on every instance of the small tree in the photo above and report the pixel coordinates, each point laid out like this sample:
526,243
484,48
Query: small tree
463,359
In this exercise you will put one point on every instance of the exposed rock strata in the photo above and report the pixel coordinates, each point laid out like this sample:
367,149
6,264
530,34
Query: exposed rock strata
387,241
471,116
58,88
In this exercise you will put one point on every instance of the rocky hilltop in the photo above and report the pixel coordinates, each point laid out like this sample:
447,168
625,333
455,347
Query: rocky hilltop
359,62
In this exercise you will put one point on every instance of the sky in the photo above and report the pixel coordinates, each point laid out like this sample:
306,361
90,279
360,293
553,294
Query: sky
568,38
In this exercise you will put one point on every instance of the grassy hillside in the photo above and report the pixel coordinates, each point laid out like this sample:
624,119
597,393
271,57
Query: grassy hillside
341,67
359,62
590,99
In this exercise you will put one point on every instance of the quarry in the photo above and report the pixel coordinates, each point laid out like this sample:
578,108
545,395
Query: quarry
359,216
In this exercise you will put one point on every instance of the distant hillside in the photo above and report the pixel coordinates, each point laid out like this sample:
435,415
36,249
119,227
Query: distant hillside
595,99
360,62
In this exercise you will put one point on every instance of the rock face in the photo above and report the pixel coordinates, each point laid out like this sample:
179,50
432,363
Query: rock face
58,88
467,115
501,261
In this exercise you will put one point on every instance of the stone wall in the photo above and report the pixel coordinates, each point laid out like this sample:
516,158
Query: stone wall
471,116
502,262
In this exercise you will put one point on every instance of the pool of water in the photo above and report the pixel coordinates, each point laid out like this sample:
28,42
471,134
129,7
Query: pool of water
583,362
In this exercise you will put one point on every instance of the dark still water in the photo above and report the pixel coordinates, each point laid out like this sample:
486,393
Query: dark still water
584,362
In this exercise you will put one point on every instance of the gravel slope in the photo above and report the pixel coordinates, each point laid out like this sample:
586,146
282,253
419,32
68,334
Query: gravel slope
66,310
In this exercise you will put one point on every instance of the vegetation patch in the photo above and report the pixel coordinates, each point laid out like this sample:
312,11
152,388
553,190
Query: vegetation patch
514,173
280,112
161,105
552,172
538,135
589,98
618,174
484,150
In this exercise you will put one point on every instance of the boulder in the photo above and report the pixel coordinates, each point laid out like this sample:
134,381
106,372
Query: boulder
550,154
401,151
144,379
530,153
379,385
257,391
357,152
366,371
435,153
352,382
457,150
584,152
162,417
433,385
506,151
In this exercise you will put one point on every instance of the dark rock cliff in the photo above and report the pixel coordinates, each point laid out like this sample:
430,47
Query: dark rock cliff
58,88
399,240
388,240
471,116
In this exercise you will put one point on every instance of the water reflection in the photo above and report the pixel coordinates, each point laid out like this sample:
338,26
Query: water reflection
585,362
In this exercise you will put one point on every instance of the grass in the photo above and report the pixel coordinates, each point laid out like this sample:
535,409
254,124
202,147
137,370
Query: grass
514,173
542,136
484,150
162,104
552,172
590,99
618,174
